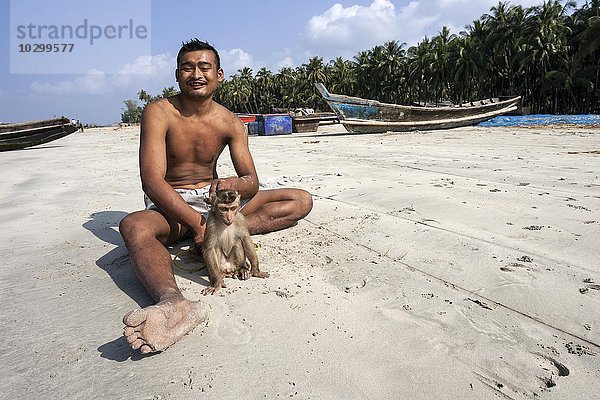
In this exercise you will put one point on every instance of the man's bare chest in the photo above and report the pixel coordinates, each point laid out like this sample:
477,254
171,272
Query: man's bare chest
193,143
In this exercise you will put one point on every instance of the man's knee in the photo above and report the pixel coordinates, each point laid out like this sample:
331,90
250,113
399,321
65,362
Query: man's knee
304,203
127,226
134,226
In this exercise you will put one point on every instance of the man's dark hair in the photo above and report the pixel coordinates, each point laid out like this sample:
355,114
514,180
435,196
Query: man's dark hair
195,45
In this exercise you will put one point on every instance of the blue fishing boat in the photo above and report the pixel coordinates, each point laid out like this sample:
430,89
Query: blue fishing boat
371,116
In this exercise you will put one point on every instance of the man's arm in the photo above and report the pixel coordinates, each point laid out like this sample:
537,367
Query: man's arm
246,182
153,169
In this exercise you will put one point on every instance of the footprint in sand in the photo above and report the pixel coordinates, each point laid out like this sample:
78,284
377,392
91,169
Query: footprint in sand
480,320
496,384
523,263
589,284
552,370
537,372
231,328
579,349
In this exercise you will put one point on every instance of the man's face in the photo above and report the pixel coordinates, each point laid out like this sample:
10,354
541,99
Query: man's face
197,74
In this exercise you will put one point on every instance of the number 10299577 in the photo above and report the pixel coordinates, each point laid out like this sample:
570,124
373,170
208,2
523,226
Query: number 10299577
46,47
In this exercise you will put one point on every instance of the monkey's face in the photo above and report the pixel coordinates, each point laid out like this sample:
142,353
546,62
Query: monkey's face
225,203
227,211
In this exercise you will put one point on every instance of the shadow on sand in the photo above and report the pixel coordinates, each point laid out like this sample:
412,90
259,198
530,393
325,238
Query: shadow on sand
104,225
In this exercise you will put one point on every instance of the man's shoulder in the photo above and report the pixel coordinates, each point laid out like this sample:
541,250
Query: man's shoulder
164,104
227,118
223,111
157,110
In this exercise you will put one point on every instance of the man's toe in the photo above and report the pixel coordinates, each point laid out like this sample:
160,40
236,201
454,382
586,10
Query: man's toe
134,318
129,330
137,343
146,348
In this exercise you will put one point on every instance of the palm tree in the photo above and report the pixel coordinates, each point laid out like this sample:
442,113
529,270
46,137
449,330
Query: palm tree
420,69
505,26
240,93
314,71
392,72
362,68
546,47
440,67
342,76
463,68
476,59
246,79
285,82
265,86
547,54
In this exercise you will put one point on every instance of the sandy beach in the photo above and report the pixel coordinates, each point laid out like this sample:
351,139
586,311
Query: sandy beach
451,264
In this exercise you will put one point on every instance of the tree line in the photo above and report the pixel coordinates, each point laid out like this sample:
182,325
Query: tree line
548,54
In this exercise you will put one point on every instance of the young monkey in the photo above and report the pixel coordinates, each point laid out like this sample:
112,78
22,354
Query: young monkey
227,242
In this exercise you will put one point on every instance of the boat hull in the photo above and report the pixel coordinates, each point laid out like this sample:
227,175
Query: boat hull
371,116
23,135
302,124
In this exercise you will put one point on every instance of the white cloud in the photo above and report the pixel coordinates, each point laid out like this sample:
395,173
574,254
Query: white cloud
346,28
235,59
281,59
93,82
344,31
148,72
285,62
151,73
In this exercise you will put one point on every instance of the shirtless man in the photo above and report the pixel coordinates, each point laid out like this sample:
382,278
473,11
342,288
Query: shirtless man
181,139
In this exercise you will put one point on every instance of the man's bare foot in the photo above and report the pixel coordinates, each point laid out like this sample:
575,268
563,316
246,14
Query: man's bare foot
157,327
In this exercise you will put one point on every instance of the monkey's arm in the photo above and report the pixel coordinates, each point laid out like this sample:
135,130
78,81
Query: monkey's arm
250,253
214,272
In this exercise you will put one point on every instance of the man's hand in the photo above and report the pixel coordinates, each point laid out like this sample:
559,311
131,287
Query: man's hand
220,184
244,185
199,235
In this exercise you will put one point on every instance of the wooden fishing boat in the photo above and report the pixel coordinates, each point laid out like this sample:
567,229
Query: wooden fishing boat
311,122
27,134
305,123
371,116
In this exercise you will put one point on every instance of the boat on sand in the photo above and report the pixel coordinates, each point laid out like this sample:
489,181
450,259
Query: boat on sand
27,134
371,116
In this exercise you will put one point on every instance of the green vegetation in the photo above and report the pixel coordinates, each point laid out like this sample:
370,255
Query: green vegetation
548,54
133,111
148,98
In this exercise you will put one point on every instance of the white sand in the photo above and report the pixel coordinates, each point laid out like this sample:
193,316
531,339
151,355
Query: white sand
458,264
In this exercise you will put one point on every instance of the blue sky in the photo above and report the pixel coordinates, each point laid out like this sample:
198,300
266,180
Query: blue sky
260,33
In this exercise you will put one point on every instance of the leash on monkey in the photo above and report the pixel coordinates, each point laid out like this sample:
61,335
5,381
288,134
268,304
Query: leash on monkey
177,259
193,250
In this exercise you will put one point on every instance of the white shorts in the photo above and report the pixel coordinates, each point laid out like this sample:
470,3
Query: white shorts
195,198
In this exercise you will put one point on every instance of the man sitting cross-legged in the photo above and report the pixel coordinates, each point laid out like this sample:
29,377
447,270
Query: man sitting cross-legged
181,139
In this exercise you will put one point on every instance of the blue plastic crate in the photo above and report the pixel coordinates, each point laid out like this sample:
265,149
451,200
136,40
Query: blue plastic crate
252,128
274,124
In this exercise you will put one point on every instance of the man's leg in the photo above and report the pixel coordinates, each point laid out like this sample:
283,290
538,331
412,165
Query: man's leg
156,327
273,210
